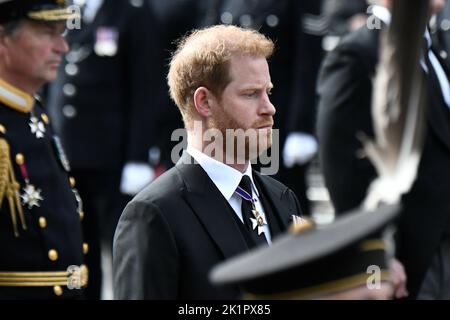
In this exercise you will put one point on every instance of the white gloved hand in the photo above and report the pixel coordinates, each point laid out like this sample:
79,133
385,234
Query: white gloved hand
299,148
135,176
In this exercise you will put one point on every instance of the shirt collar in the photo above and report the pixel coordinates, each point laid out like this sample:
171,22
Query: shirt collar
382,13
224,177
15,98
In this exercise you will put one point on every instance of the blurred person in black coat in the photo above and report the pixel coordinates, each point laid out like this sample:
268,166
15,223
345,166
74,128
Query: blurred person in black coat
41,240
297,29
440,29
345,88
103,104
345,16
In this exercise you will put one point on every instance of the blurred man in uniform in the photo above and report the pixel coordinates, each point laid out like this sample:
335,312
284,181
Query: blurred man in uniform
41,241
297,28
104,111
345,88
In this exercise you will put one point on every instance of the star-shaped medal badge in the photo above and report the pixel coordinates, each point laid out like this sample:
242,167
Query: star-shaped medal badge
31,196
37,127
258,221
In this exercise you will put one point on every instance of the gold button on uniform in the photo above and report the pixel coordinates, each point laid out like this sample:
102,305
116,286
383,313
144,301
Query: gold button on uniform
58,290
20,159
72,182
53,255
42,222
45,118
2,129
85,248
81,215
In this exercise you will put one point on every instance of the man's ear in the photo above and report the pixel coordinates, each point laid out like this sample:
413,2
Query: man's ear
202,101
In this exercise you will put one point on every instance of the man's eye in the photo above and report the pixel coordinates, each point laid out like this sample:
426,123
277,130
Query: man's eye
250,94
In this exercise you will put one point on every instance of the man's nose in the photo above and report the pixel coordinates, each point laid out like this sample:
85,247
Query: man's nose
267,107
61,45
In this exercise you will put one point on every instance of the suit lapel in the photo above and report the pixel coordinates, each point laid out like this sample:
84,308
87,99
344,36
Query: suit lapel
438,111
211,208
277,198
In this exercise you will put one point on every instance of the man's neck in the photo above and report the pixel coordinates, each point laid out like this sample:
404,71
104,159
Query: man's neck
19,83
216,152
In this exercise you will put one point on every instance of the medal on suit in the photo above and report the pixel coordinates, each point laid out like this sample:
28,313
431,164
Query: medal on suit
31,196
37,127
258,221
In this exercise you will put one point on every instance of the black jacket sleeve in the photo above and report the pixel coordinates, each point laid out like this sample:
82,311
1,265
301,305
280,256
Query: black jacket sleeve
145,256
345,91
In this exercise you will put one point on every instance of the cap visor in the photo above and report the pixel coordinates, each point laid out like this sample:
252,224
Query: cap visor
61,14
294,249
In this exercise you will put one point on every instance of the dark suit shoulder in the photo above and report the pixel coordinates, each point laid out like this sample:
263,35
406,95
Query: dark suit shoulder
165,187
272,183
362,43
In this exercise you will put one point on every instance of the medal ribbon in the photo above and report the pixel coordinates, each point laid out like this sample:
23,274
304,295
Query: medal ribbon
244,195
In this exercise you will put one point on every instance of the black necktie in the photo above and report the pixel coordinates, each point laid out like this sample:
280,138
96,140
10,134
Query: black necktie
247,213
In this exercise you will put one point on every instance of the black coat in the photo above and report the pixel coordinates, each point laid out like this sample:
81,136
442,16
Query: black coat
54,224
108,119
345,88
172,234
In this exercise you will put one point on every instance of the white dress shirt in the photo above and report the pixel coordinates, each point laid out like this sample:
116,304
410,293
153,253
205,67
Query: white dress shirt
227,179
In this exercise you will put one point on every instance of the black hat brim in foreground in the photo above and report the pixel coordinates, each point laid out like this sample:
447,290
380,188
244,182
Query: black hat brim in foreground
269,266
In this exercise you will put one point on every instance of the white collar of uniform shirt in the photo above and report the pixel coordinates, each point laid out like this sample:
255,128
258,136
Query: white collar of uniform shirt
227,179
384,15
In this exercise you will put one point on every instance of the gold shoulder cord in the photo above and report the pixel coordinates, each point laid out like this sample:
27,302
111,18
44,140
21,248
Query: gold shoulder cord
9,187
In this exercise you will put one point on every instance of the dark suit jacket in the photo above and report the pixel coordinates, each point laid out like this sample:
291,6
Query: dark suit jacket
174,231
345,89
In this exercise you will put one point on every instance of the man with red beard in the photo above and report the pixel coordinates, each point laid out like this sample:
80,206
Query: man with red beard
211,205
